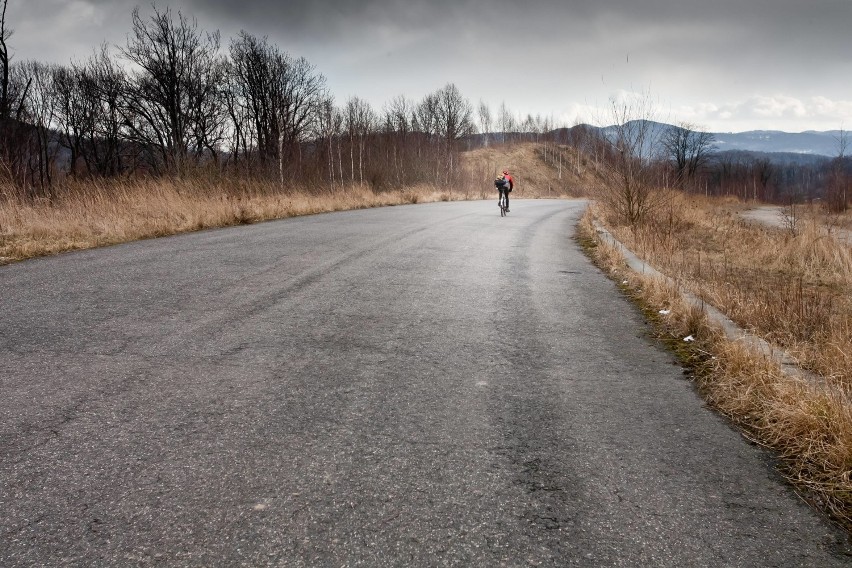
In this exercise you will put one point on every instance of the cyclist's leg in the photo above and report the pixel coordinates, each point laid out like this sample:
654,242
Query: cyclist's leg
507,200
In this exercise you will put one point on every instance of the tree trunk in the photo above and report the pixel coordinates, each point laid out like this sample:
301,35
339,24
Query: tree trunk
281,160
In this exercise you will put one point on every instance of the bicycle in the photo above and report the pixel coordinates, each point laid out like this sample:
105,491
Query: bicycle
503,188
502,203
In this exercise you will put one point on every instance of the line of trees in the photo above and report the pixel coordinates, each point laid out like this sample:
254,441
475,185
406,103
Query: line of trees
172,101
693,164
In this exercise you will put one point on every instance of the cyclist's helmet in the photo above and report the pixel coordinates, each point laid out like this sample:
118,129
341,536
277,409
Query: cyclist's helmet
505,172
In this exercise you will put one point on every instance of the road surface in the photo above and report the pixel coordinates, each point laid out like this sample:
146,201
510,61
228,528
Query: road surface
422,385
774,216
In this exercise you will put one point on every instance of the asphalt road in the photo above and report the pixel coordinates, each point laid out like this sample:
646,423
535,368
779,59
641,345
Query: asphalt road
420,385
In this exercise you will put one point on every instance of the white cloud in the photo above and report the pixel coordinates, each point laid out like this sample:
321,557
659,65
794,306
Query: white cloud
778,106
579,113
783,112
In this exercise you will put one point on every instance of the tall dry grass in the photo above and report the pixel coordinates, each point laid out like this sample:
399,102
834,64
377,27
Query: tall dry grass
840,220
97,213
789,288
793,288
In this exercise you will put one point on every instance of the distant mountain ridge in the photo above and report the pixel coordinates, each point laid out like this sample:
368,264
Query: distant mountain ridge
809,142
809,147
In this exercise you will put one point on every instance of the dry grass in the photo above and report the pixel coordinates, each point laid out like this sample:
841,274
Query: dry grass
792,289
809,424
108,212
839,220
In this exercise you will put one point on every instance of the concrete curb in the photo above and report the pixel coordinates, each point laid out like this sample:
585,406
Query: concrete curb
732,331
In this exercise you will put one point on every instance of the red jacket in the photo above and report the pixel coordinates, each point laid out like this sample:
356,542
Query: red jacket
511,181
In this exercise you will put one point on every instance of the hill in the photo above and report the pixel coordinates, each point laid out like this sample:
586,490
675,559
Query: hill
540,170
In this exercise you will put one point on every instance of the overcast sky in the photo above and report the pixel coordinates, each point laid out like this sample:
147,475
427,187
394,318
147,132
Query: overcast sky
725,65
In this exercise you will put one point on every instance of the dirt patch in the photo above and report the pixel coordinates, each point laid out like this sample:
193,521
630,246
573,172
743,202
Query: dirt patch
769,215
781,217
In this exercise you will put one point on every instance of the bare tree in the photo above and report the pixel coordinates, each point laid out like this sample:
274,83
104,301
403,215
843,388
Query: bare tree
88,114
633,145
360,118
40,114
75,115
529,127
427,115
485,120
172,95
338,129
302,91
241,141
5,34
253,107
455,115
764,171
837,185
454,121
428,119
280,98
842,141
688,149
505,120
328,125
105,82
209,118
14,90
398,112
398,125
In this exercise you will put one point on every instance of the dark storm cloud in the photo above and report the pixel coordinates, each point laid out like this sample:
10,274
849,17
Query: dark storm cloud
791,27
301,16
788,31
781,23
767,18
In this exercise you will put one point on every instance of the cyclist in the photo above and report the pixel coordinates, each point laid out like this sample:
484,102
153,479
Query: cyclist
504,184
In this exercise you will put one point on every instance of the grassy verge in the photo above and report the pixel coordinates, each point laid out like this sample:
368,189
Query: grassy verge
808,424
793,288
109,212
